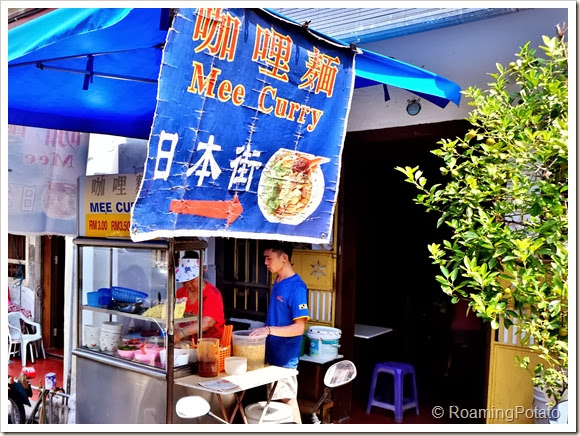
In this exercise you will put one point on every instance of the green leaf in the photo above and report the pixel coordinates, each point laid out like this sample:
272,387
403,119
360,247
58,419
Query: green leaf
505,203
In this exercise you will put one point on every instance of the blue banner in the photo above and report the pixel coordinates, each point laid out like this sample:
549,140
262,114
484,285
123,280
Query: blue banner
248,131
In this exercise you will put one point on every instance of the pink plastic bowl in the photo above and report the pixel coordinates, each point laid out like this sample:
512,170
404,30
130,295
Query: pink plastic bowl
145,358
126,354
150,354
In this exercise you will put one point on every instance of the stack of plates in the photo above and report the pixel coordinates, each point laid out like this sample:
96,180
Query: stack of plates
110,336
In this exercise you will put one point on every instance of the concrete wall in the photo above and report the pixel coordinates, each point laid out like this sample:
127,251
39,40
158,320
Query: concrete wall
465,53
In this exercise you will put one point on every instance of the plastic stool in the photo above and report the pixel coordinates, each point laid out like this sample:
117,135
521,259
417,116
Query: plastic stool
399,370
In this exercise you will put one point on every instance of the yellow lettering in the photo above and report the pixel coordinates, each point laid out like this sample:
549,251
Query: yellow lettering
316,115
239,95
200,84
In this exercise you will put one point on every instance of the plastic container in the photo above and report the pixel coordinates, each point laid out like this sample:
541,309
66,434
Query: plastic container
127,295
50,381
208,356
93,299
111,326
324,341
251,347
105,296
186,345
148,358
92,335
154,341
126,354
29,372
110,336
304,345
224,352
180,357
235,365
277,413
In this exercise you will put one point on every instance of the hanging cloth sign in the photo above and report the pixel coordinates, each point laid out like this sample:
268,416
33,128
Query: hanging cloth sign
43,167
248,130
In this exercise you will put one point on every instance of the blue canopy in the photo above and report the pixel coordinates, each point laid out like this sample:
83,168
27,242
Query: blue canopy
116,55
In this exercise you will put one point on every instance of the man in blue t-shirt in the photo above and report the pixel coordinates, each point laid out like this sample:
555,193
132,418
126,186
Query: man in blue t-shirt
286,320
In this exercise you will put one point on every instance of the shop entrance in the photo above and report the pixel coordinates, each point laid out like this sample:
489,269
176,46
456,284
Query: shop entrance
394,282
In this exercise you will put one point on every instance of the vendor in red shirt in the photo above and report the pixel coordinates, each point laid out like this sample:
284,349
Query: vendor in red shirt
213,320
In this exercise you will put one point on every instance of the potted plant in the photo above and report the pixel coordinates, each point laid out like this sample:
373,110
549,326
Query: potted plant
506,204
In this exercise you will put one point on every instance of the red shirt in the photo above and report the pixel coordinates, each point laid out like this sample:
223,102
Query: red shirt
213,306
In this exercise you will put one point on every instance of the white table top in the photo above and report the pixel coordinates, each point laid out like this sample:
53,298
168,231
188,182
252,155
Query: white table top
308,358
248,380
369,331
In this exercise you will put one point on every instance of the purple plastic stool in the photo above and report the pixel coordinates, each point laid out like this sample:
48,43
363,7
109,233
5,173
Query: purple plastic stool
399,370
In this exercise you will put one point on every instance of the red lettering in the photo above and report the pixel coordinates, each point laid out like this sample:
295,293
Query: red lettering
68,161
262,97
303,111
293,108
281,107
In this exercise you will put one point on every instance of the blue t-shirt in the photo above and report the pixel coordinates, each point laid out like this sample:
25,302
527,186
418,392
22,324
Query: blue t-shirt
288,302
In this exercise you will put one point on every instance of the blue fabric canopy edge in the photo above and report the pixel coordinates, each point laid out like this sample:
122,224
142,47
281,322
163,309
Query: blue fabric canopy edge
375,69
59,25
136,36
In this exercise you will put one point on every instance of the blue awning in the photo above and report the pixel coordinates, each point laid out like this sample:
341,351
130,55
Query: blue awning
96,70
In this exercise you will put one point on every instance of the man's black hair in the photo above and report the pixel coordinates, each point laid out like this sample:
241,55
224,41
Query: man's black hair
190,255
280,247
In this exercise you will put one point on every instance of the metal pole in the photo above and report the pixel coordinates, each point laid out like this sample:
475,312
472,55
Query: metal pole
200,296
169,366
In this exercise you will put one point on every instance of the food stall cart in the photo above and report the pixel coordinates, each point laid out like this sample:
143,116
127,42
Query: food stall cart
118,280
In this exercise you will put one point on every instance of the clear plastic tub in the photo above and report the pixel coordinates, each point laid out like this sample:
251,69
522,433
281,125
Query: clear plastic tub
251,347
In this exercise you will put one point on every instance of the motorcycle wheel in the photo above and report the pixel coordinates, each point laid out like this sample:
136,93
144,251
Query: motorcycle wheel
16,413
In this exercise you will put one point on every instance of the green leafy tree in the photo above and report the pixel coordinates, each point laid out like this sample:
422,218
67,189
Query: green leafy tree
506,203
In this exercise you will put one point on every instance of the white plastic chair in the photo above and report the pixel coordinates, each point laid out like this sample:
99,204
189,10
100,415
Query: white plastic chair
13,344
27,338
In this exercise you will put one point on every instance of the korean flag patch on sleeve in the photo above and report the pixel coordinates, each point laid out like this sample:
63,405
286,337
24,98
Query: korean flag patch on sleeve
303,306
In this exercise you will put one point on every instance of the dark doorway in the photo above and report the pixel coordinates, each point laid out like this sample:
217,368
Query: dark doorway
395,282
53,249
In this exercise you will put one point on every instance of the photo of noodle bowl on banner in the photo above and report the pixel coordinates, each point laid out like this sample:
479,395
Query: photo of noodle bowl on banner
291,186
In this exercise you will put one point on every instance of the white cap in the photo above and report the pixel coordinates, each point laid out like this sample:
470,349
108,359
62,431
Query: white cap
187,270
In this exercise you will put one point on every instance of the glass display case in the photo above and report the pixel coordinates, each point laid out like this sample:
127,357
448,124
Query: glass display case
125,313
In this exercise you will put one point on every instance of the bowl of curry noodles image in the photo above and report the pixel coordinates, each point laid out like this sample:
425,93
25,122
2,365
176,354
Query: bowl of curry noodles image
291,186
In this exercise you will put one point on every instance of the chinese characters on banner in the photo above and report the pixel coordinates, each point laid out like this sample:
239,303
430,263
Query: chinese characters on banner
43,167
248,131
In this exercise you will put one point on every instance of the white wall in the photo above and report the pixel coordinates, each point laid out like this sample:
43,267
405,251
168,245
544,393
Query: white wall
465,54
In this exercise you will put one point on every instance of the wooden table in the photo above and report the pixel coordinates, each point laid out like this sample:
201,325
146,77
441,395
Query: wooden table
248,380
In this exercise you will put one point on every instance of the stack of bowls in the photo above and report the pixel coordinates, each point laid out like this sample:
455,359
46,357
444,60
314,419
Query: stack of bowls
110,336
92,335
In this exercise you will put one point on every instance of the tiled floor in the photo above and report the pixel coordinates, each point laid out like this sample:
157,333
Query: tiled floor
52,363
382,416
